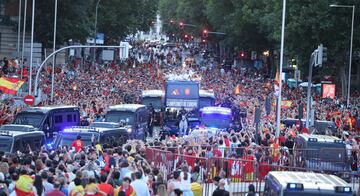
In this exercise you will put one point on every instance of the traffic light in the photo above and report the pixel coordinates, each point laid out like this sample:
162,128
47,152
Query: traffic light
242,54
205,33
186,36
181,25
321,55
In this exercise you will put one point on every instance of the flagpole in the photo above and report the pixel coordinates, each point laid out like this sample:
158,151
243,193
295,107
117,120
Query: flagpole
278,112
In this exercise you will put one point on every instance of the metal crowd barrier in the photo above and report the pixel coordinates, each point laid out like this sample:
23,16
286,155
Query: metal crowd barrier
239,173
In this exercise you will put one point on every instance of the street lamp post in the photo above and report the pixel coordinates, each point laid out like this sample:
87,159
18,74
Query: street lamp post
53,62
19,30
278,113
31,45
23,40
96,13
351,44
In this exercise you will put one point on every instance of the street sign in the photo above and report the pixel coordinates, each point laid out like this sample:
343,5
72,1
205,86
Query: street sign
29,100
253,55
297,75
124,50
100,38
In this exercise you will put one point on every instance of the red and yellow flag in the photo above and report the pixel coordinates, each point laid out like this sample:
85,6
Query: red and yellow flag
276,83
237,89
10,85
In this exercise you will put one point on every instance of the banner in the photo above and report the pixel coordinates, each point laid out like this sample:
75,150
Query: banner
10,85
284,104
328,91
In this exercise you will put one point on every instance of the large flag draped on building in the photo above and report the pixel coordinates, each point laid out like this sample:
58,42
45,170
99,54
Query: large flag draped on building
10,85
276,83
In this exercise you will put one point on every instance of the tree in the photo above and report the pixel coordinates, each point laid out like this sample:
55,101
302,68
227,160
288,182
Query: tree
72,21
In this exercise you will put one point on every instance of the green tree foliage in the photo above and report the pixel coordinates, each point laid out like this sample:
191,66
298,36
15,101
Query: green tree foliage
119,18
73,21
76,19
256,25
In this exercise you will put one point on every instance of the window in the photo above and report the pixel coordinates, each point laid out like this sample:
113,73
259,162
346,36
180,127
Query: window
69,118
58,119
75,119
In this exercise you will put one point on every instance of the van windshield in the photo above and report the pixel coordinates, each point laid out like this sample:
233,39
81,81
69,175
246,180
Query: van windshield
119,116
315,193
33,119
219,121
68,138
206,102
155,101
5,144
320,145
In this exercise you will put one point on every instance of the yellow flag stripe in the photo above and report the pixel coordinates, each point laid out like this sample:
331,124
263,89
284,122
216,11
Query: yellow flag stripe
11,85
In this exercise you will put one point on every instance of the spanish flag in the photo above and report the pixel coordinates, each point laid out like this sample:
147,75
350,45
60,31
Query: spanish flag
237,89
158,74
23,186
276,83
10,85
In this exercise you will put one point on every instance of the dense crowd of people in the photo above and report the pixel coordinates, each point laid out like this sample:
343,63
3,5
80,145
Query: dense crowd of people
133,169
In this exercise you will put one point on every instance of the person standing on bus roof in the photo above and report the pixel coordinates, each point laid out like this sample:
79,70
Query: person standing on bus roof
78,144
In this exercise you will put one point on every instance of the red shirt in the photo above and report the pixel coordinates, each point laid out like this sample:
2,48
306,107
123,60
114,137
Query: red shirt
55,193
190,159
282,139
227,142
78,145
249,164
217,153
106,188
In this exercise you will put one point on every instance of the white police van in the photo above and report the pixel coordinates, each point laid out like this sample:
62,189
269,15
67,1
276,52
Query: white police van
133,116
21,138
99,132
321,152
288,183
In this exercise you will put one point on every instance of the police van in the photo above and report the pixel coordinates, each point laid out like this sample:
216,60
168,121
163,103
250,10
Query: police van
320,126
49,119
206,98
99,132
133,116
154,99
321,152
288,183
15,138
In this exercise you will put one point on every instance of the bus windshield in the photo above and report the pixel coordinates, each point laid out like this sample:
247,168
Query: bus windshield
5,144
118,116
33,119
155,101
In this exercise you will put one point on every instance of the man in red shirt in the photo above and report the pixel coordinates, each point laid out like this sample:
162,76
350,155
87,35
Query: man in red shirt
78,144
104,186
249,166
216,152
